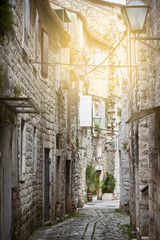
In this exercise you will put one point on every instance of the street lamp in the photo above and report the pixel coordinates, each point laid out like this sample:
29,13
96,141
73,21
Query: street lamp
96,120
135,13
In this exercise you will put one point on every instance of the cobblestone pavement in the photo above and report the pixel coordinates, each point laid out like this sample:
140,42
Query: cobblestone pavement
96,221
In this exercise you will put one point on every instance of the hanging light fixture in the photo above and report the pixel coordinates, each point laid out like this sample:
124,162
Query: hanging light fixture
135,13
96,120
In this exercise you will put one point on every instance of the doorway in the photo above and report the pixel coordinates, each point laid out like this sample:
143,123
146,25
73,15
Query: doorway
98,192
68,186
58,187
46,185
6,179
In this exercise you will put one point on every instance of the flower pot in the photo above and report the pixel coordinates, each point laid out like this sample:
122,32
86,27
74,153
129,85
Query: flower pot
94,197
90,196
107,196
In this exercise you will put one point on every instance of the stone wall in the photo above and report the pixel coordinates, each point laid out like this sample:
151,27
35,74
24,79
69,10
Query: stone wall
144,134
123,152
27,203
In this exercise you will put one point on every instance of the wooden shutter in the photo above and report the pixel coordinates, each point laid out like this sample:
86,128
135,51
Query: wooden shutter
85,111
26,22
44,53
36,34
102,114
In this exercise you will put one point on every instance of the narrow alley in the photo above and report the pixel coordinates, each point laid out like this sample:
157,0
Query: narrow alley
98,220
79,119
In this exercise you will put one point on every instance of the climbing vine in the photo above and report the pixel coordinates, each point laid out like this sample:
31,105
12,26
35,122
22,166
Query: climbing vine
97,128
6,20
18,90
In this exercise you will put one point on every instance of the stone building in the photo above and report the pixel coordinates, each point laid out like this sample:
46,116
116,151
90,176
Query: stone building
45,146
99,89
143,125
37,127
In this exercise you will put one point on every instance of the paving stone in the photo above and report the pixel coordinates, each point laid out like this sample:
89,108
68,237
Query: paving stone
92,223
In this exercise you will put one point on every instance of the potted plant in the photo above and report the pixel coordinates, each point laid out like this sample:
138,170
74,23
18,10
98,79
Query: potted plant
91,182
108,186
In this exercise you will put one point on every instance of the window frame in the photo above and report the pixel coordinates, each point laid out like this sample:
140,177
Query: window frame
44,53
34,150
36,34
26,24
22,147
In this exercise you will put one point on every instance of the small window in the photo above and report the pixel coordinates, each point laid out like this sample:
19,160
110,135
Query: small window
44,53
34,149
26,22
68,122
58,141
23,147
36,34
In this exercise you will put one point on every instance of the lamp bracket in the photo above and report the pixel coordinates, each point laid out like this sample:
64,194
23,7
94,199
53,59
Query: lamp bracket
146,38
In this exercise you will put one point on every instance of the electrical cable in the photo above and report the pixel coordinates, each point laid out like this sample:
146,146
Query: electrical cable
113,50
148,45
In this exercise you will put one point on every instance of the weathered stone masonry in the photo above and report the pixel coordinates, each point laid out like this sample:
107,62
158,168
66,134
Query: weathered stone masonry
144,133
30,190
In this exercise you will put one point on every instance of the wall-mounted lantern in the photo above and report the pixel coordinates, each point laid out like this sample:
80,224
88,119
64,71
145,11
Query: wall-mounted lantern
135,13
96,120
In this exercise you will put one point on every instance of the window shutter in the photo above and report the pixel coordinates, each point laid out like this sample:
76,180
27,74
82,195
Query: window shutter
85,111
36,34
102,114
44,53
65,60
26,22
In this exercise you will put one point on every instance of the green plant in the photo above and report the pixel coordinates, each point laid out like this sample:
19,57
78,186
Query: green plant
91,179
124,147
18,90
111,143
97,128
6,20
77,141
109,183
119,212
119,112
127,229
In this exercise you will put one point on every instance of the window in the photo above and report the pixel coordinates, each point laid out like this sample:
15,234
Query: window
58,141
36,34
68,120
26,22
99,110
23,147
34,149
85,111
44,53
102,115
